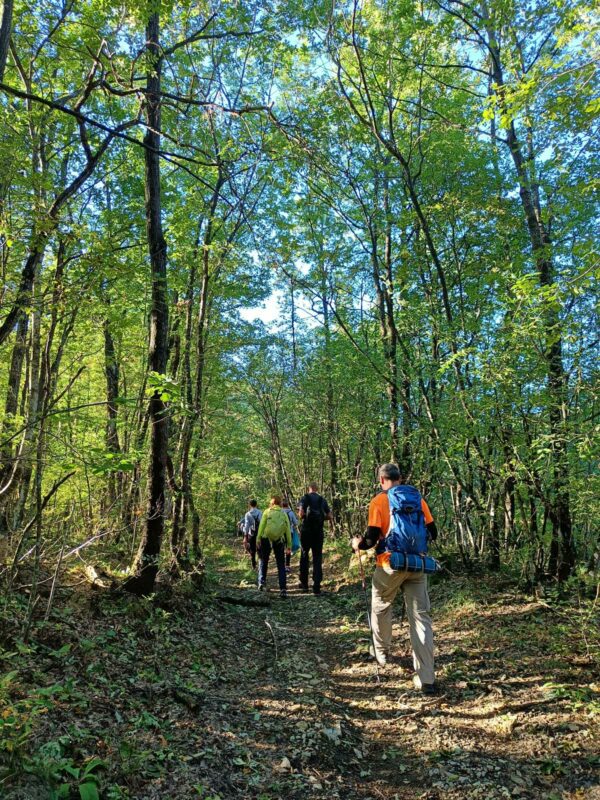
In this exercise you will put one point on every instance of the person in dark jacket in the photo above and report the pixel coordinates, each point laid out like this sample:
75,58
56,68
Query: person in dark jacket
250,529
314,510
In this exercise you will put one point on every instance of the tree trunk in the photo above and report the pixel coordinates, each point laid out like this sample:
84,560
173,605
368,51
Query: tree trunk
184,502
494,533
24,457
111,370
5,31
336,503
11,405
145,567
23,299
563,560
293,331
384,288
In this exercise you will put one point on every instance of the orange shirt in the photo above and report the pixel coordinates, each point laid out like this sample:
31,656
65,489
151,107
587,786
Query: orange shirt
379,517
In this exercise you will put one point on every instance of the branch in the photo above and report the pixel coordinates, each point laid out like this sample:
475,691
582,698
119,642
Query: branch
306,286
64,14
52,413
32,521
92,161
480,38
116,133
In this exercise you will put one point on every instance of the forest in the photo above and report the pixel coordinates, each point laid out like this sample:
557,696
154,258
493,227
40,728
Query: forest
248,245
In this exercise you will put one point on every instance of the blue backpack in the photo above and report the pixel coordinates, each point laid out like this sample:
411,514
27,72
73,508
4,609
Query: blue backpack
407,532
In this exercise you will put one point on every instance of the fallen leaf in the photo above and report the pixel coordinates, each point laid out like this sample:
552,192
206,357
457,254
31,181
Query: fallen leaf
284,765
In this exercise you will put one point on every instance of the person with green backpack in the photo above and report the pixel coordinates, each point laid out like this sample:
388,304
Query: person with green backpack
274,533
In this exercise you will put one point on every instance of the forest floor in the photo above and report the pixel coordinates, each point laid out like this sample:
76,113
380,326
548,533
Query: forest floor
190,696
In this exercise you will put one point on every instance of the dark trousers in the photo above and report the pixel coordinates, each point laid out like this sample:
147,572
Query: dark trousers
311,539
278,549
250,543
288,559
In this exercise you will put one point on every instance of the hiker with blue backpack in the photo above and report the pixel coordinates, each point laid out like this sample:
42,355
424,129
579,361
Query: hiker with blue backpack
399,527
274,534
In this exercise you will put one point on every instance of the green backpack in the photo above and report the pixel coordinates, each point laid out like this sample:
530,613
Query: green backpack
276,525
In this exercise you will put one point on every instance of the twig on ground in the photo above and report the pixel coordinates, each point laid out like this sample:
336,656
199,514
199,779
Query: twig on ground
54,582
268,624
423,709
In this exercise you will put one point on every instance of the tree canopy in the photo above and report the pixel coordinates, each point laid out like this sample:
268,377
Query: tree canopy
407,189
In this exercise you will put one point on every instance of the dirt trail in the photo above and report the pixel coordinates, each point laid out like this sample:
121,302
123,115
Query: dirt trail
209,699
512,719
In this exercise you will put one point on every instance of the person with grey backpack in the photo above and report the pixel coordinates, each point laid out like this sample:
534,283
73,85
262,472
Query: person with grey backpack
295,534
250,530
274,534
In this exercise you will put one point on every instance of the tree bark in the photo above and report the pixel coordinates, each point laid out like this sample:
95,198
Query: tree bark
111,371
24,457
541,246
145,567
494,533
336,503
5,30
184,502
12,397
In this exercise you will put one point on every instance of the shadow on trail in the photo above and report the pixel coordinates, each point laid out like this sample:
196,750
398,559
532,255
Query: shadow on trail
214,699
346,735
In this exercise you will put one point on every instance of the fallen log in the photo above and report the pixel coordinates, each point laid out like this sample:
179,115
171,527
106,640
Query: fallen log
99,577
239,600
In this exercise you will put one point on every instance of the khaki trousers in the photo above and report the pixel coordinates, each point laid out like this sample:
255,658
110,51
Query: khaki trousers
386,583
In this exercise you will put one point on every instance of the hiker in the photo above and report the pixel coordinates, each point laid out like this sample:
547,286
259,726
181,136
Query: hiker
250,529
274,533
295,535
313,512
400,522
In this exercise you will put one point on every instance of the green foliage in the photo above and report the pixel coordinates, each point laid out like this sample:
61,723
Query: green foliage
351,170
580,698
163,386
103,462
59,772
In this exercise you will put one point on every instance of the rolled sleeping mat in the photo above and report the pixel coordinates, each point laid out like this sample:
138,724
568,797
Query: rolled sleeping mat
412,562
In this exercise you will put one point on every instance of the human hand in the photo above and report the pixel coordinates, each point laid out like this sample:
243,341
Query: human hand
288,551
356,540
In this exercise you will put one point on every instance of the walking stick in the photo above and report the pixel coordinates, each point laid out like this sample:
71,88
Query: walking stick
364,586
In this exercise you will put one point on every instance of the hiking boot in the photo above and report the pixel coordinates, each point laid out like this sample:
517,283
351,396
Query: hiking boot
262,587
429,689
381,660
316,590
303,586
283,594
